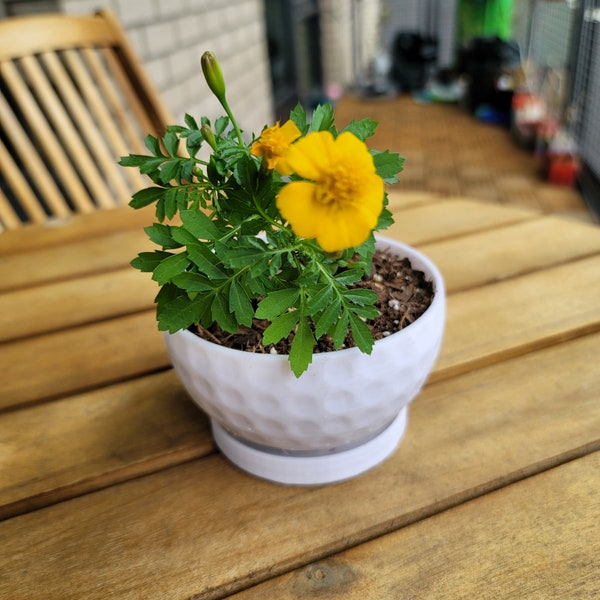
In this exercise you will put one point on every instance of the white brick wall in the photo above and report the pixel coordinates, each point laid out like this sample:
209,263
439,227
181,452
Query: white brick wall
170,37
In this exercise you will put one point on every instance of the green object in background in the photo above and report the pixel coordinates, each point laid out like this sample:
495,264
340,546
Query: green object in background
484,18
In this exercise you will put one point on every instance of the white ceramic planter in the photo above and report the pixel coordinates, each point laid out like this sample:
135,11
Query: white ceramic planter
344,415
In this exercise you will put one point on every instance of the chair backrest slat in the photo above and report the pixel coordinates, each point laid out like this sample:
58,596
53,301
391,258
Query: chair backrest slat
8,217
44,138
73,99
29,204
110,182
31,163
68,136
101,99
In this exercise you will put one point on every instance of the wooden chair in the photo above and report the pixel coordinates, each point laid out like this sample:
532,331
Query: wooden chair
73,99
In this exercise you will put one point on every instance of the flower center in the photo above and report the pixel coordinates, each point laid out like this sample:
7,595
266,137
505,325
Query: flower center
337,186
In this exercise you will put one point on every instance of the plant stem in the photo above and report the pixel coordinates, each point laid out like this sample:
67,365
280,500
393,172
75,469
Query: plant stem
233,121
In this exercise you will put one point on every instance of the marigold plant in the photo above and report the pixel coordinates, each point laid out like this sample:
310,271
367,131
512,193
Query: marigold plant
277,228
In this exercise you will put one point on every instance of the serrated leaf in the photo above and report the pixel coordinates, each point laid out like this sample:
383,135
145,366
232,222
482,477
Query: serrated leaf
275,264
302,348
361,334
199,224
170,267
349,276
221,125
340,329
245,173
320,296
246,254
240,304
277,303
221,314
298,116
206,261
280,327
135,160
160,209
322,118
190,121
162,235
193,282
151,165
146,196
362,129
386,219
182,312
171,142
153,145
183,236
170,205
148,261
388,165
187,169
360,296
367,312
170,170
327,318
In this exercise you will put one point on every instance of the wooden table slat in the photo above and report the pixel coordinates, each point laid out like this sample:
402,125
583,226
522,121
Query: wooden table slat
513,250
451,218
131,429
75,228
399,200
44,367
481,549
79,259
204,529
519,315
74,302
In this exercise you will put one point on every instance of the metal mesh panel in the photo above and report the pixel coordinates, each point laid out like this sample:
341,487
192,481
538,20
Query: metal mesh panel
549,52
586,94
551,33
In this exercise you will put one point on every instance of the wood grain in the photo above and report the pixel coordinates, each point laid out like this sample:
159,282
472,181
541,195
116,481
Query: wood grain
204,529
451,218
130,429
73,228
71,361
399,200
509,251
482,549
56,263
75,302
519,315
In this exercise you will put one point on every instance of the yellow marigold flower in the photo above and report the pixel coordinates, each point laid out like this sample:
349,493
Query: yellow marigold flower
340,201
274,143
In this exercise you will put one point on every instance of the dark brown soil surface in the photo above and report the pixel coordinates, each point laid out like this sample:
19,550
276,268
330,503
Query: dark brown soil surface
403,293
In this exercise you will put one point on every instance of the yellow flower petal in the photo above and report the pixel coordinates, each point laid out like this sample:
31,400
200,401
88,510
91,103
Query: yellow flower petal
295,204
310,155
274,143
341,204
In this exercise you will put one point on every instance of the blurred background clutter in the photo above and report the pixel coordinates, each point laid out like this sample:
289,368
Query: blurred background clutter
528,67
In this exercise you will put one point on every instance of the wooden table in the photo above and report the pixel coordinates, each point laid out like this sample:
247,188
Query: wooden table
110,486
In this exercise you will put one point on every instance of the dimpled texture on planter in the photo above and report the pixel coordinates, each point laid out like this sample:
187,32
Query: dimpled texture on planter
344,398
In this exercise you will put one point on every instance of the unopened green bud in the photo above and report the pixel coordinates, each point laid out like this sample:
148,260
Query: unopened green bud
213,75
209,136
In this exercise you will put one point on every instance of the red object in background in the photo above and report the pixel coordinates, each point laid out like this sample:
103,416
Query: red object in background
562,169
